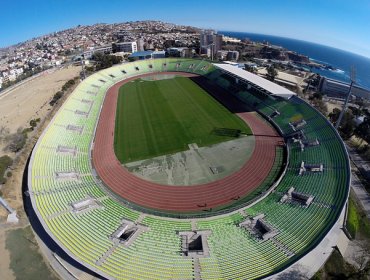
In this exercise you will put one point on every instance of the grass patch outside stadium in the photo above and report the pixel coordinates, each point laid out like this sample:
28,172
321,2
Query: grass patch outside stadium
161,117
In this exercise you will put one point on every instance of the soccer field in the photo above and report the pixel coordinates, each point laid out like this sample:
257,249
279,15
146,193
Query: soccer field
164,116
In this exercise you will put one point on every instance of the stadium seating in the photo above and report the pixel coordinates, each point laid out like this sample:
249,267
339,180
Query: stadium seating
156,253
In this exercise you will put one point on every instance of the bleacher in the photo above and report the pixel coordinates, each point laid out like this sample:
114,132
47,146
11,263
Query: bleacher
156,253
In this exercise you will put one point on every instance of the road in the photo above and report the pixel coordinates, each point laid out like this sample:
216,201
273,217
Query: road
358,163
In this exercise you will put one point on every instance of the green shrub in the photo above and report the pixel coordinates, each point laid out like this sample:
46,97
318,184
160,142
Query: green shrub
56,97
5,162
352,218
18,140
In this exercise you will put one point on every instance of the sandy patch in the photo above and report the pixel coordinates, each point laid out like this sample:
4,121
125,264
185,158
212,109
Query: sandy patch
31,100
197,165
333,104
43,88
5,271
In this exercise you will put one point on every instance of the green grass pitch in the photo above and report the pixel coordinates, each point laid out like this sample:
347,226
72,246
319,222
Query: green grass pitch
163,116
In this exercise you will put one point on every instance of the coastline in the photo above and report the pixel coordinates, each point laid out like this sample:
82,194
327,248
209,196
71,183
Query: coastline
339,60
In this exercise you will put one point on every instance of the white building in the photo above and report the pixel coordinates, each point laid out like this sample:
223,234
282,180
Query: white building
229,55
140,44
126,47
340,89
230,39
104,50
16,72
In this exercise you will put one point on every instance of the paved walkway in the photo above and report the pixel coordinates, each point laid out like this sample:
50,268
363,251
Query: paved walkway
362,195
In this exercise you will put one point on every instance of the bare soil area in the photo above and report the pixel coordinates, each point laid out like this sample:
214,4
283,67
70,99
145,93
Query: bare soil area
198,165
31,100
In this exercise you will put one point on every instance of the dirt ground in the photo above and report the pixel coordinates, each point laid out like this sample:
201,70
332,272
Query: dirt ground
334,104
38,92
17,108
21,257
5,272
31,100
198,165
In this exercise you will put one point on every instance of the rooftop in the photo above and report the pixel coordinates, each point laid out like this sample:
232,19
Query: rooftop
267,85
142,53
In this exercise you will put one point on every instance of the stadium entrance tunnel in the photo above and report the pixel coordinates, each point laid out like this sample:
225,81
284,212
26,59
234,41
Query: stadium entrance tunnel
194,244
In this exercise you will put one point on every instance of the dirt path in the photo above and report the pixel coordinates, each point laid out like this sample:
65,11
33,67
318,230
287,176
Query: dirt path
12,190
31,99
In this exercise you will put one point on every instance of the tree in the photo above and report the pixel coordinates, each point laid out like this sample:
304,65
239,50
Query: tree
250,68
33,124
5,162
56,97
271,72
360,103
17,140
355,111
347,127
363,130
334,115
316,95
105,60
114,48
320,105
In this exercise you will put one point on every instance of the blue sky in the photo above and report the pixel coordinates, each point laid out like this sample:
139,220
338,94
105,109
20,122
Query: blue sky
339,23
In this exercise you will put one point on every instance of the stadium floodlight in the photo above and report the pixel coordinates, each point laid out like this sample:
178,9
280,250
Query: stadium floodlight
353,81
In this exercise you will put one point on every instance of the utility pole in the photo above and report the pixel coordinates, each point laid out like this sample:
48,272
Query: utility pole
353,81
83,63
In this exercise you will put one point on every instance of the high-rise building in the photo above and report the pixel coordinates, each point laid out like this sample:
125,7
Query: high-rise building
206,37
140,44
217,41
210,42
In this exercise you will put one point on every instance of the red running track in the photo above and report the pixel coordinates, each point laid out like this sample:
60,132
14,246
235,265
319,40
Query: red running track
180,198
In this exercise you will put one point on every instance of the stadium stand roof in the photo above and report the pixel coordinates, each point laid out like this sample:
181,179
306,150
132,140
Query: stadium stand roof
142,54
256,80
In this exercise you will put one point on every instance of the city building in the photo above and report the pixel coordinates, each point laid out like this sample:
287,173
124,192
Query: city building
230,39
147,55
228,55
103,50
335,88
126,47
159,54
180,52
210,42
141,55
140,44
232,55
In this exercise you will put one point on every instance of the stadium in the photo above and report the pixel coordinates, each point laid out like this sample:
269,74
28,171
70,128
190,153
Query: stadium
247,220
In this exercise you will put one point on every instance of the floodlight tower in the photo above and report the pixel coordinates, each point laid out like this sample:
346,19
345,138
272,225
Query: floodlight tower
353,81
83,62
